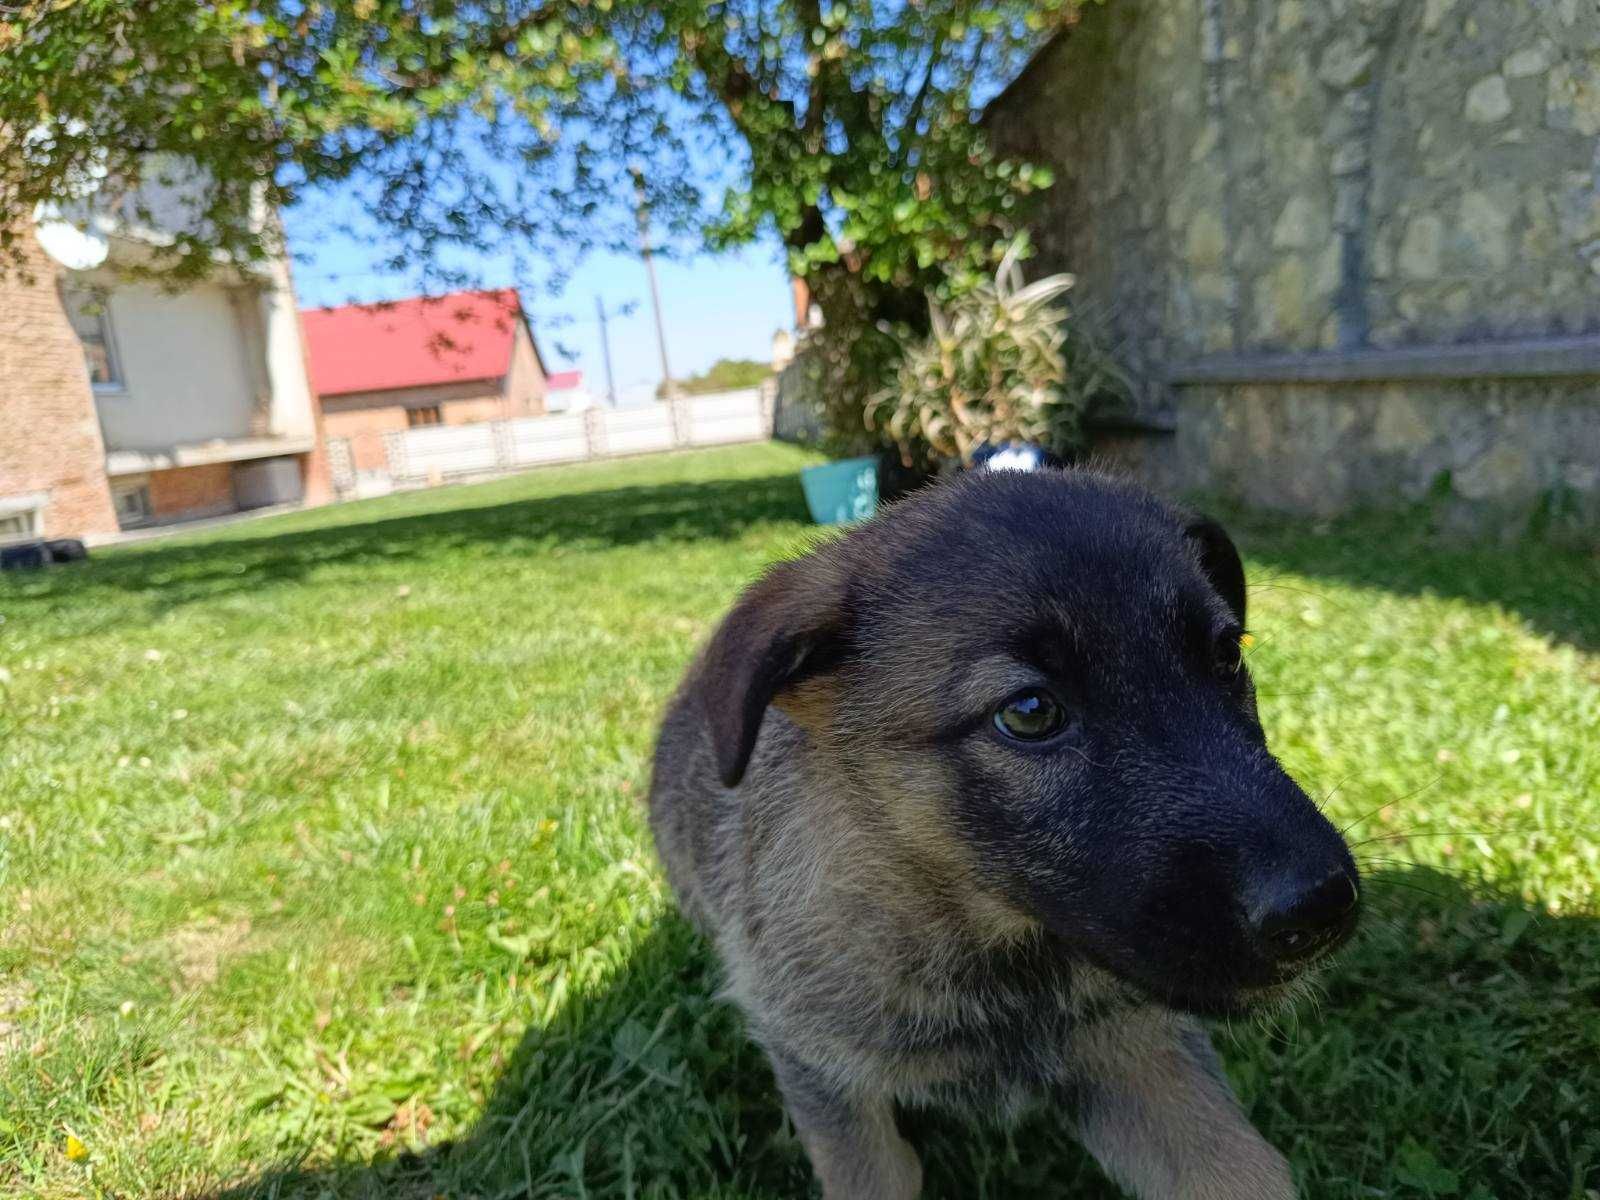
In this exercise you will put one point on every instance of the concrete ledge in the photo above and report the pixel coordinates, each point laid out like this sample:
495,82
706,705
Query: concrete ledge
1132,422
1544,358
134,462
11,505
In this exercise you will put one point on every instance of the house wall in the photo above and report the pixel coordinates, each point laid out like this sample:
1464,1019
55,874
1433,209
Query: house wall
525,380
293,411
188,493
480,408
50,443
187,373
364,428
445,395
364,417
1252,179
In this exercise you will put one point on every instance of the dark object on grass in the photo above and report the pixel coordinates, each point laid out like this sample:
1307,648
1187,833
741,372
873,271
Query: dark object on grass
24,556
976,806
65,550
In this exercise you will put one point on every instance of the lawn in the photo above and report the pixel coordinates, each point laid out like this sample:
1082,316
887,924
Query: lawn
323,871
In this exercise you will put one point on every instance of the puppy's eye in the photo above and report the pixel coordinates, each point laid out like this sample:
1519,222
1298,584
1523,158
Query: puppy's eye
1030,716
1228,656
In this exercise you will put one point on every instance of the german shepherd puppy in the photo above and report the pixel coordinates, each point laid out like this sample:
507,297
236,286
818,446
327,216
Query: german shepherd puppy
975,803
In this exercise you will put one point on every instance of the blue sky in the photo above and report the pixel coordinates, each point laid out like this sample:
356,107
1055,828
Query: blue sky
723,306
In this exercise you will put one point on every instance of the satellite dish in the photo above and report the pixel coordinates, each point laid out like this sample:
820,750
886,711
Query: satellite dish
74,248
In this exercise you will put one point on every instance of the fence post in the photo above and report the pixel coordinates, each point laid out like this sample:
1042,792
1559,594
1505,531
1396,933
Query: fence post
769,403
594,432
341,465
394,452
682,422
505,446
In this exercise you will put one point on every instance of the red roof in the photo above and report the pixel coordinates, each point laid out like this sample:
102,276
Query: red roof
564,381
411,343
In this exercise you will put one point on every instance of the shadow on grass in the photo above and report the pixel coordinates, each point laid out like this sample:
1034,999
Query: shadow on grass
1554,586
173,575
1450,1058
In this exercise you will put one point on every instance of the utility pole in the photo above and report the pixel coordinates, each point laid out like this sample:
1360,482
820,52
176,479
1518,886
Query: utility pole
605,349
669,384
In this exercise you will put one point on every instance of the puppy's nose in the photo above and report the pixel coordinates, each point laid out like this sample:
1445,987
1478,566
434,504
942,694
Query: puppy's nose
1302,922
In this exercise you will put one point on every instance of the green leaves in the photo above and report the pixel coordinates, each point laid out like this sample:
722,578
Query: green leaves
995,368
267,100
1417,1166
512,123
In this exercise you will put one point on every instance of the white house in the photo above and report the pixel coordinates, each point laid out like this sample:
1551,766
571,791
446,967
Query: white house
568,393
131,405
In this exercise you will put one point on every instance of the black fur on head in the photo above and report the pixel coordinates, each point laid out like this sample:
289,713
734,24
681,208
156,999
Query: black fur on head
1047,665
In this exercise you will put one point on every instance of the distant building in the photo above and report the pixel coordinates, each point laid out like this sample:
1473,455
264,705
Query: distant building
569,394
445,360
127,405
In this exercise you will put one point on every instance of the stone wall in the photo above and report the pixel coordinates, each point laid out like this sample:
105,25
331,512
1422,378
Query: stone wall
1490,448
1248,178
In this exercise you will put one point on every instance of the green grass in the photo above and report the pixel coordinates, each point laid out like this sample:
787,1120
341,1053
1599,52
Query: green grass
323,874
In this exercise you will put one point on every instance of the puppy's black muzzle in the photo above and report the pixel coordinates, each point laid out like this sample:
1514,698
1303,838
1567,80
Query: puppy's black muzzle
1300,921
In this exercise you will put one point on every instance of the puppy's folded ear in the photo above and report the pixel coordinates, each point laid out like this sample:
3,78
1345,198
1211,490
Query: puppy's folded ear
1219,559
786,628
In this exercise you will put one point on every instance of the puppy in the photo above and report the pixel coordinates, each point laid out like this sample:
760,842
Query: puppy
975,804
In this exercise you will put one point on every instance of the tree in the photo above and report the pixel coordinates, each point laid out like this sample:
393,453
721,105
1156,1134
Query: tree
724,375
849,130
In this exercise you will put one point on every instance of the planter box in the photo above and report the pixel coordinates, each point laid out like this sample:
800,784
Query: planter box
838,493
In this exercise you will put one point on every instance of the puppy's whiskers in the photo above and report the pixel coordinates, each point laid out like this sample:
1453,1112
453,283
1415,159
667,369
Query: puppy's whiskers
1393,800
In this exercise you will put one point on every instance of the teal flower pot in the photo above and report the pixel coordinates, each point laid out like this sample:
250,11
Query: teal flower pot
840,492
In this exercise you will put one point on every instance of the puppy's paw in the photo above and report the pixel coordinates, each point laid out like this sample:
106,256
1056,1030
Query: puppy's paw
1253,1172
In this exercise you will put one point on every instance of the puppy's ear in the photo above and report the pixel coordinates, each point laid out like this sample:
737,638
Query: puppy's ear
787,628
1219,559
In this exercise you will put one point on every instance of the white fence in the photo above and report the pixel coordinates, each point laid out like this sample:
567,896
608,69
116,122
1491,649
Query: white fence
433,452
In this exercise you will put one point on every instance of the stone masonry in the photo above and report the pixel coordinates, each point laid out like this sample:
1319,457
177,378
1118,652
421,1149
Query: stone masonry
1278,178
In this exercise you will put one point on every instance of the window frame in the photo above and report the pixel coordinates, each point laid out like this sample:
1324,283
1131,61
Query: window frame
29,515
436,416
73,298
132,488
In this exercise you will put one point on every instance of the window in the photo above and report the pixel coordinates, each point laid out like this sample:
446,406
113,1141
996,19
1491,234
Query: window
132,502
18,526
91,321
428,415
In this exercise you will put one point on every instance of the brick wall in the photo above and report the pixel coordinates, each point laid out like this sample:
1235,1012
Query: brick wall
525,385
470,412
49,433
191,492
365,429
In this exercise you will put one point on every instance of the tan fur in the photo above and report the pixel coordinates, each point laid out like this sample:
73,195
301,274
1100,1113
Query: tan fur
1163,1122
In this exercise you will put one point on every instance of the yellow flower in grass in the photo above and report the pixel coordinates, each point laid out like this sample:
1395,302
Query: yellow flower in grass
76,1150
